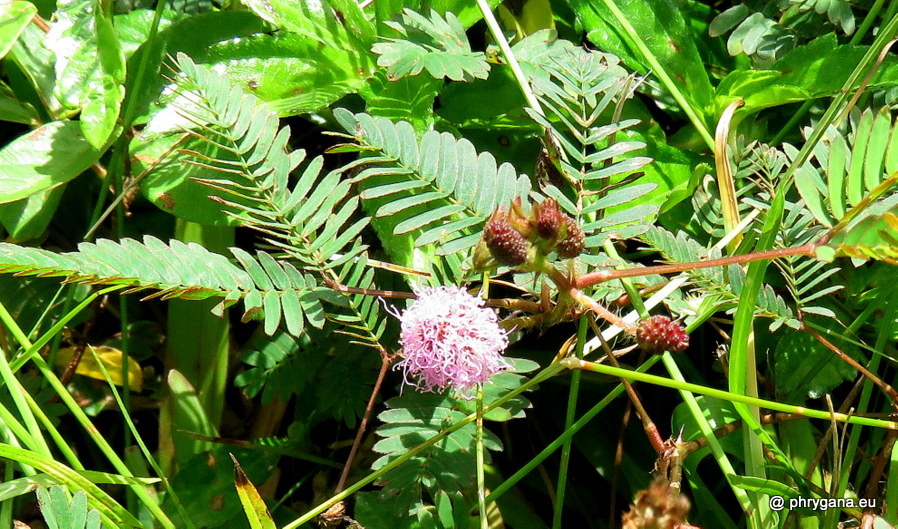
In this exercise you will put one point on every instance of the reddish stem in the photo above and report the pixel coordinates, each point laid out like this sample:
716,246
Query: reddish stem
886,388
386,359
600,276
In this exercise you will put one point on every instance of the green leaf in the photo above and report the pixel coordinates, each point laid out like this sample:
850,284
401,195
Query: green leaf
28,218
672,42
436,44
103,98
758,89
804,368
330,22
47,157
192,35
452,171
871,235
293,73
407,99
14,18
16,111
253,504
114,515
205,485
765,486
822,66
468,13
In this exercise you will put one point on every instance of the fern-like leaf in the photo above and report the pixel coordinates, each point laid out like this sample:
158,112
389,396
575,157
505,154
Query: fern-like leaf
873,234
60,513
578,96
436,44
185,271
316,221
449,464
726,283
439,187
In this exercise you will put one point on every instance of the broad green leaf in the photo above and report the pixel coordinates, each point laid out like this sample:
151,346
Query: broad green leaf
172,185
133,28
14,110
527,17
822,66
407,99
468,13
672,41
37,61
193,36
805,368
103,98
14,18
89,67
758,89
293,73
42,159
29,217
330,22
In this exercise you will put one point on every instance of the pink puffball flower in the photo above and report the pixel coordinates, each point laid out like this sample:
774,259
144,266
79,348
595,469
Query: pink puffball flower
449,340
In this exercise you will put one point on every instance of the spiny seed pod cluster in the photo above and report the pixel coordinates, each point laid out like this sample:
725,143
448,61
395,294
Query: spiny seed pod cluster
512,238
505,243
659,333
658,507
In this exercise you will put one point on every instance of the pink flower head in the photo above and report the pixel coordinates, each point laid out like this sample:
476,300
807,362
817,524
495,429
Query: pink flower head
450,340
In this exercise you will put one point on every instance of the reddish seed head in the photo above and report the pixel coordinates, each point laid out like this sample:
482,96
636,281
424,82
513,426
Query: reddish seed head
506,245
548,219
574,241
659,333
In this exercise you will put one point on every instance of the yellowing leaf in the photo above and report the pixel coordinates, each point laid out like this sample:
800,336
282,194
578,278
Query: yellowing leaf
112,360
253,504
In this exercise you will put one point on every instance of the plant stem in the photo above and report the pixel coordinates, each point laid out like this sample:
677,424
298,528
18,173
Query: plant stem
568,421
386,360
575,363
886,388
519,76
637,41
561,439
355,487
601,276
481,481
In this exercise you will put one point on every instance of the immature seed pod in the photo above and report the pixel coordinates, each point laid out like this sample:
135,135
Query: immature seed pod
548,219
574,241
506,245
659,333
658,507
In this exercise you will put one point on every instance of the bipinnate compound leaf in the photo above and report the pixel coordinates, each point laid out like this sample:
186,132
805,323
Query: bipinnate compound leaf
873,234
849,171
275,291
437,44
447,465
439,187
